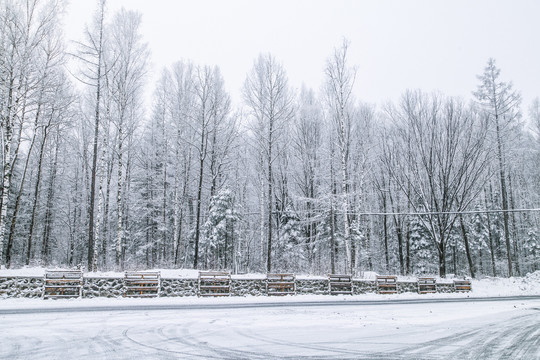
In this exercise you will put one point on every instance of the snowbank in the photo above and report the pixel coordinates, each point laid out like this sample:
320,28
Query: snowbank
486,287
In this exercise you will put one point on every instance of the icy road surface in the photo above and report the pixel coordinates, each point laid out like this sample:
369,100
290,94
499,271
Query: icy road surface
432,329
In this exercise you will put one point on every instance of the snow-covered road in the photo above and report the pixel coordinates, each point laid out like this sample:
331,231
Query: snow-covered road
506,329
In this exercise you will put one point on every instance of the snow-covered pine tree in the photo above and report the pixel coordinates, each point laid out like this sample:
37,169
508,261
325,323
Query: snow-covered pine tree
423,250
220,231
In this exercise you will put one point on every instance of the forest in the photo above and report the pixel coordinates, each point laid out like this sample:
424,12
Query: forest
311,181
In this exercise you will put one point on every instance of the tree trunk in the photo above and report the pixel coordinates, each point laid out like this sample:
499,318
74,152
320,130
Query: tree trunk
262,214
467,247
36,195
119,199
504,193
514,227
178,237
399,235
7,171
490,235
442,261
270,199
199,197
385,233
45,249
91,242
19,194
105,235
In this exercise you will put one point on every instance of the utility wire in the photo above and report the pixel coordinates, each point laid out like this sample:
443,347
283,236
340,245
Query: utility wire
339,212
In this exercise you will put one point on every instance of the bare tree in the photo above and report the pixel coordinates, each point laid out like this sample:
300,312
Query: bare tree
49,79
501,104
340,80
91,55
182,105
446,157
307,144
130,56
25,31
267,94
212,108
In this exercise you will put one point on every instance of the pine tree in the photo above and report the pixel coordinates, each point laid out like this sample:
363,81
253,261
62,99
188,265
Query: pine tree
220,231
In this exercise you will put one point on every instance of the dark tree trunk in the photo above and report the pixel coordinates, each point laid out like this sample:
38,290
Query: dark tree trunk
106,214
490,235
93,176
47,224
270,202
36,196
385,232
454,259
442,260
199,199
504,196
514,227
399,235
333,251
467,247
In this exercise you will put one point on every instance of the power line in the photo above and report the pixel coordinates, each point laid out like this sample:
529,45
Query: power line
427,213
463,212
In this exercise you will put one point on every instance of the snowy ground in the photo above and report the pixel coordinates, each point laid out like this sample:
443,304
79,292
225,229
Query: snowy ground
403,326
276,328
514,286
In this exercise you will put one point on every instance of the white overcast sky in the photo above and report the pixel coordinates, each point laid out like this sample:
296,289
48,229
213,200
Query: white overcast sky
395,45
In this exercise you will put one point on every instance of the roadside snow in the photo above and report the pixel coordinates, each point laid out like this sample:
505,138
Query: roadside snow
527,285
487,287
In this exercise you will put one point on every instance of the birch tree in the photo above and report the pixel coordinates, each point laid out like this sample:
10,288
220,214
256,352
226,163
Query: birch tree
24,31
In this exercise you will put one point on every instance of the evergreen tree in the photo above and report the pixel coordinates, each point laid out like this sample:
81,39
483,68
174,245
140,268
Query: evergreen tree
220,231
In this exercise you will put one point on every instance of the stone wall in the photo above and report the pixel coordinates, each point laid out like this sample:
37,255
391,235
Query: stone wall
178,287
445,288
312,286
407,286
364,287
32,287
102,287
21,287
243,287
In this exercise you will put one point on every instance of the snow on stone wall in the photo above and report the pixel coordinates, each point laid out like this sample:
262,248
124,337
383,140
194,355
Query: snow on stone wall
32,287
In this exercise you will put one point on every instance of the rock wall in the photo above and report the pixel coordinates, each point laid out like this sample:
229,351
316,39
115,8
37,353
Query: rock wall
21,287
364,287
312,286
445,288
243,287
178,287
102,287
407,286
32,287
